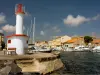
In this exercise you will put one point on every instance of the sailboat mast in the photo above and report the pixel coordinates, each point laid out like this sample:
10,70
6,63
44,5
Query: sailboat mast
27,31
34,31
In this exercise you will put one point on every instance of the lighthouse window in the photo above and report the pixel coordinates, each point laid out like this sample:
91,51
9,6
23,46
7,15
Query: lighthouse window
9,41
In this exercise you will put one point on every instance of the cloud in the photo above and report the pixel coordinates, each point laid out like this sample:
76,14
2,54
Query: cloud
42,33
9,28
96,17
75,21
78,20
50,30
46,25
1,31
56,29
2,18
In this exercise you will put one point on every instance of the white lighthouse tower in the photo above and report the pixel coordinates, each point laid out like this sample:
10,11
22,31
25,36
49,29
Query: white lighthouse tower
18,42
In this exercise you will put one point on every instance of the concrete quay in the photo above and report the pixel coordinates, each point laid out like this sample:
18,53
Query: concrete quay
42,63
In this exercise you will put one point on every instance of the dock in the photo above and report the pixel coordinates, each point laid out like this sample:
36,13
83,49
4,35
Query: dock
42,63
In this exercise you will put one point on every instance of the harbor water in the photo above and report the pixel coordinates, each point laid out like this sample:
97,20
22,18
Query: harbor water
80,63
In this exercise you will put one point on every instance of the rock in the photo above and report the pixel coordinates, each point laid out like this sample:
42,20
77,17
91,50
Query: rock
5,70
11,67
15,68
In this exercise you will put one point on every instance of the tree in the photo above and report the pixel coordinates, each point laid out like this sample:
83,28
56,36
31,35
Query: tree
88,39
2,45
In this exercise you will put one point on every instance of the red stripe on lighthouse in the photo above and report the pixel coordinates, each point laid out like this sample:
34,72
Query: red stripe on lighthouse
19,9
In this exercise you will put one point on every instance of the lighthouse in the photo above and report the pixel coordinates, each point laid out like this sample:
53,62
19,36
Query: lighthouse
19,11
18,42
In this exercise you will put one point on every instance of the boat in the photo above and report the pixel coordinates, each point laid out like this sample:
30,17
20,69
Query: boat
57,49
34,49
68,49
82,48
96,49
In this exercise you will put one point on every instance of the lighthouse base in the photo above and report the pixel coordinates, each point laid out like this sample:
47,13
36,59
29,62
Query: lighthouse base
17,43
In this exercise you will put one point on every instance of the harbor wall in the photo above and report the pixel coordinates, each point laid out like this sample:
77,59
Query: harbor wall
42,63
40,66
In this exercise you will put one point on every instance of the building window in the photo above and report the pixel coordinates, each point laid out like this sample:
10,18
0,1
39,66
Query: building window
9,41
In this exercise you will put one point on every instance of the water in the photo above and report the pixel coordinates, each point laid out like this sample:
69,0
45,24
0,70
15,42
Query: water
80,63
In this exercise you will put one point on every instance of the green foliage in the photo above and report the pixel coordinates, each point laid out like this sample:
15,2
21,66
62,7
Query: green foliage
88,39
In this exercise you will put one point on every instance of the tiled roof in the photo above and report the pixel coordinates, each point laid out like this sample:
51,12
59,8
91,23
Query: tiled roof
96,41
72,40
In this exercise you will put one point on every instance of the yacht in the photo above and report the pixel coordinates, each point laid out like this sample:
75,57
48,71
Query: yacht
68,49
34,49
81,48
96,49
86,48
57,48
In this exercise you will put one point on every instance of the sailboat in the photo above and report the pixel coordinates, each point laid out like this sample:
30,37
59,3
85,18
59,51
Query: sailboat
32,47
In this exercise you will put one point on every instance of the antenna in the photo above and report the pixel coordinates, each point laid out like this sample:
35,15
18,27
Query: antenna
34,31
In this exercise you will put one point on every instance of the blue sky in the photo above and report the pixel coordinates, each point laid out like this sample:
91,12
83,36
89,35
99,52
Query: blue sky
54,17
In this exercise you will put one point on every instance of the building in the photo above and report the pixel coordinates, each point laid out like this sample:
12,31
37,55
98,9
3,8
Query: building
96,42
79,40
58,41
41,43
1,39
74,41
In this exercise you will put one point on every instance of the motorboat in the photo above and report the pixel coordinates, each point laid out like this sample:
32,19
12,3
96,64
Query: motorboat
81,48
68,49
86,48
96,49
57,49
34,49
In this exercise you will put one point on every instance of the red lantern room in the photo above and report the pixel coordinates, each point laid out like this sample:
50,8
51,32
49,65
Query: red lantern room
19,9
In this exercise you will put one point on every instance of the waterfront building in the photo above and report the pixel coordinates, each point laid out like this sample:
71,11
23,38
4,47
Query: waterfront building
96,42
58,41
74,41
41,43
1,39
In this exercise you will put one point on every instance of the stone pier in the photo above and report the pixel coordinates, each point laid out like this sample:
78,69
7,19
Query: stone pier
42,63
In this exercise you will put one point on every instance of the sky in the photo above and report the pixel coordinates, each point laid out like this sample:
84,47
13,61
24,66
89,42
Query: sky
53,17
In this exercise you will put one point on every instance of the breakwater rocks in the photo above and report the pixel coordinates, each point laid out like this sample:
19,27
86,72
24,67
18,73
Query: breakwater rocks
9,67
